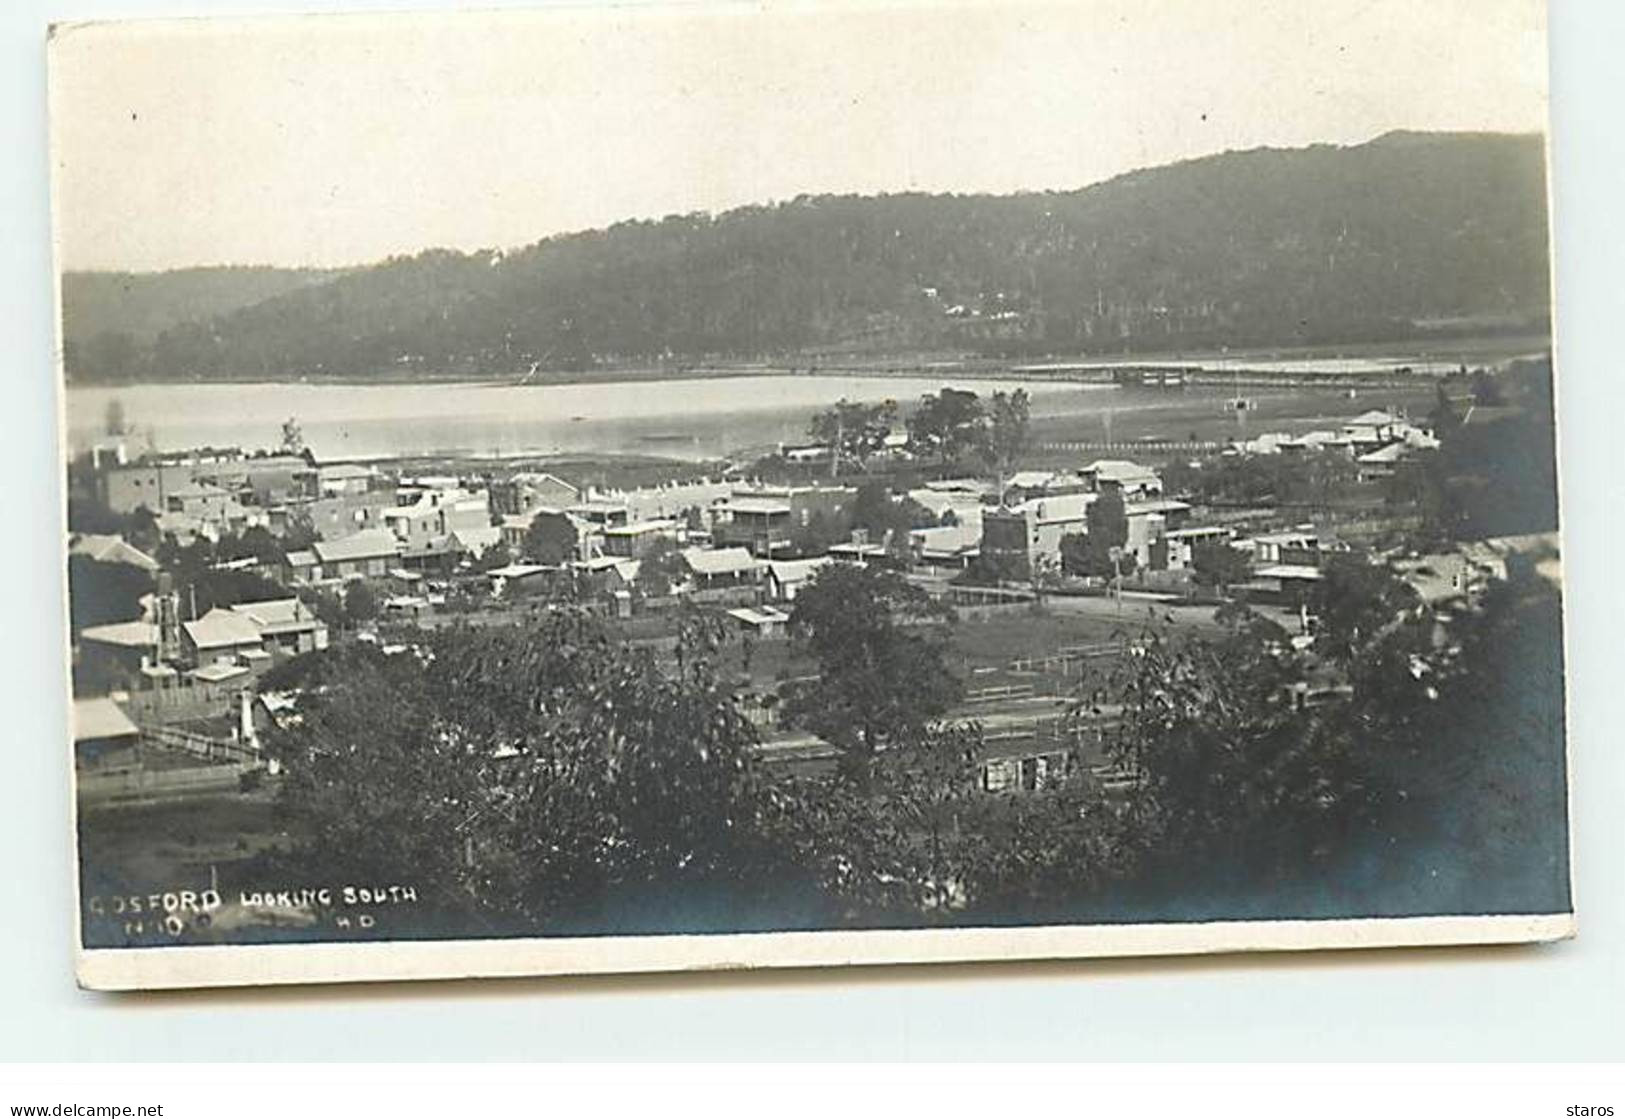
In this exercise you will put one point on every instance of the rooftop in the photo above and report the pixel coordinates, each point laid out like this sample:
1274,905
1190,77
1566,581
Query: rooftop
639,528
101,718
794,571
111,549
278,614
221,628
367,544
344,472
757,505
719,561
128,634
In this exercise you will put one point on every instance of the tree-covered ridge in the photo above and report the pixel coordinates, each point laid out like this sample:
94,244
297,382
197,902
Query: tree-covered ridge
1405,233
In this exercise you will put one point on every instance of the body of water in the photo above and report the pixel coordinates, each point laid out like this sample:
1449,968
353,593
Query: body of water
695,419
685,419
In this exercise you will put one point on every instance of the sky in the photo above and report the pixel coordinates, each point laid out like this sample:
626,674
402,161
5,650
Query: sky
333,140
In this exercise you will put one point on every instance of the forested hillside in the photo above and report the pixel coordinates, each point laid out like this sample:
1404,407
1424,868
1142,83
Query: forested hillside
1406,234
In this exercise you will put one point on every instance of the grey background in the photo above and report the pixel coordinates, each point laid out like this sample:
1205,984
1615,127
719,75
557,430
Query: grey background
1560,1002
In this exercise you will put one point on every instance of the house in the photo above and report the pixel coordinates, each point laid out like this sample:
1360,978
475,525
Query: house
362,554
1026,538
128,487
1437,577
1181,544
1129,479
301,567
1301,545
763,621
860,549
1379,425
344,478
473,541
760,525
526,491
1284,583
266,479
517,580
785,578
1382,463
220,637
951,545
184,529
206,502
286,625
940,502
810,453
101,728
766,519
600,514
1027,484
1022,766
114,655
713,567
634,539
1148,522
672,500
110,549
338,515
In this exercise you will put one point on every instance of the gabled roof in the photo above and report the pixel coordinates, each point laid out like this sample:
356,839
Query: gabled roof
1377,417
639,528
763,505
476,539
1119,470
796,571
343,472
278,615
720,561
1162,505
130,635
101,718
518,570
367,544
948,539
111,549
221,628
1034,479
218,673
1059,507
1393,452
542,478
302,559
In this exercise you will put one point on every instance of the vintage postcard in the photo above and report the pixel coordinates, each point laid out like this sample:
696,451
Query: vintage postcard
679,486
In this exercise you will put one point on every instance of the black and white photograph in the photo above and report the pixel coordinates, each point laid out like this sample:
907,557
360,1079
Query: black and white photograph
676,487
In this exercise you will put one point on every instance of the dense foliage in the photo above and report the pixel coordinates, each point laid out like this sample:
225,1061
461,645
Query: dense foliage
1319,244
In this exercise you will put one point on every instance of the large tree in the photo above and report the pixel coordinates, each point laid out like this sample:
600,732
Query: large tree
948,424
661,568
1214,563
549,774
1008,433
882,673
853,431
551,539
1092,553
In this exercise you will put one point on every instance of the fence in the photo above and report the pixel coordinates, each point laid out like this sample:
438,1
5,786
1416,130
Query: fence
200,745
1140,446
142,785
